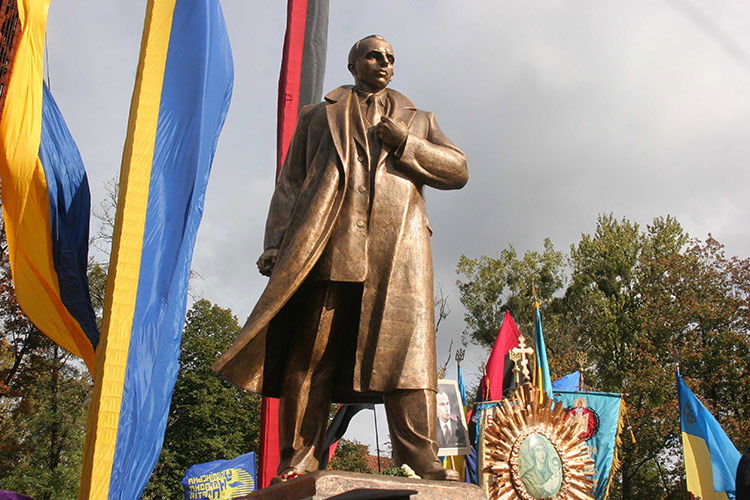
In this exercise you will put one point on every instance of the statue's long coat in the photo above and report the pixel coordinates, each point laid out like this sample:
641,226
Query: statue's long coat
396,340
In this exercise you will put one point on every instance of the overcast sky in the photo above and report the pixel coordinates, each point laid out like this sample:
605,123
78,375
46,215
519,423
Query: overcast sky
564,109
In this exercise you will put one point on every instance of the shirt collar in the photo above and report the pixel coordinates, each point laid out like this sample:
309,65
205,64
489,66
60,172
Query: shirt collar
379,96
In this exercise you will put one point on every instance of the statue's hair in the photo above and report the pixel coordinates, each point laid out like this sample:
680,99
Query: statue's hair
355,48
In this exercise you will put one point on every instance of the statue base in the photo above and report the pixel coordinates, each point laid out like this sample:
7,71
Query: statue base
337,485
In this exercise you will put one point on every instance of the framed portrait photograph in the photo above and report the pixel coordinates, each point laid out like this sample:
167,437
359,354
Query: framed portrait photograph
452,432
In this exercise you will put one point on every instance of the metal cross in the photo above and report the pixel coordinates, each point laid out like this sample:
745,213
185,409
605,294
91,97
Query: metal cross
520,354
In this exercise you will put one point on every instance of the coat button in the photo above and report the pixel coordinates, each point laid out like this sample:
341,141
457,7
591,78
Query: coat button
360,223
361,189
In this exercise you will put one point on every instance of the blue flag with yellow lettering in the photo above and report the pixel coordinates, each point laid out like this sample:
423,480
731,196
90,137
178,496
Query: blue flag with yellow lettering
221,479
711,458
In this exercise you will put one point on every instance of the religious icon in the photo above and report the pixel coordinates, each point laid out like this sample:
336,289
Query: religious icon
531,450
585,418
452,432
540,466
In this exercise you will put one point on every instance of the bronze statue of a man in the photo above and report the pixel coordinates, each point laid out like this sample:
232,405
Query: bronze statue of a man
347,315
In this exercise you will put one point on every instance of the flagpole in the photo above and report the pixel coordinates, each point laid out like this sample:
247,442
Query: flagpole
377,438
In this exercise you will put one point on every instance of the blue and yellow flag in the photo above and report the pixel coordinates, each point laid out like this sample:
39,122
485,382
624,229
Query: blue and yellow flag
45,198
180,100
461,387
600,418
711,458
541,376
221,479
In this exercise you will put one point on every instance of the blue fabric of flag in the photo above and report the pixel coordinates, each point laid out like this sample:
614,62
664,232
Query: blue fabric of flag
461,388
70,206
698,421
195,97
570,382
602,444
221,479
471,466
541,355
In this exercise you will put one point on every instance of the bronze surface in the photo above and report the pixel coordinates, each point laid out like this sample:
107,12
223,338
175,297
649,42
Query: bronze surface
349,207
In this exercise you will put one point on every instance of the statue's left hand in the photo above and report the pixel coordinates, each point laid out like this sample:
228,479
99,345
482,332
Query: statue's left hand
392,132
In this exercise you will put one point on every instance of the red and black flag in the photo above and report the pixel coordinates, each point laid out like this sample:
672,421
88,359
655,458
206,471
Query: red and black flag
302,67
300,83
498,376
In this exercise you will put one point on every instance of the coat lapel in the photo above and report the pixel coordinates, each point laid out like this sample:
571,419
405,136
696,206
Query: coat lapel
338,120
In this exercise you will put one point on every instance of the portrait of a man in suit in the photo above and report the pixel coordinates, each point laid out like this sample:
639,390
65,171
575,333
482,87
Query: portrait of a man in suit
452,433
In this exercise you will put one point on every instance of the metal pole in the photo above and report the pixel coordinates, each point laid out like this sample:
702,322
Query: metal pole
377,439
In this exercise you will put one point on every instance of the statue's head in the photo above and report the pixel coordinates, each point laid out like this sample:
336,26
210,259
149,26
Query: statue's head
371,63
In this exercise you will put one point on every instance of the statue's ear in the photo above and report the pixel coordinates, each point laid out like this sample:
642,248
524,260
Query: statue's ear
351,68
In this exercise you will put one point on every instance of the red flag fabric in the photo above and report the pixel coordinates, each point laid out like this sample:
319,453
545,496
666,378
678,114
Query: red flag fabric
269,441
300,83
498,371
302,67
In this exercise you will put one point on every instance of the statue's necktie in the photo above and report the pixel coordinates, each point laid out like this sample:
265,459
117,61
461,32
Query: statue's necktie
373,110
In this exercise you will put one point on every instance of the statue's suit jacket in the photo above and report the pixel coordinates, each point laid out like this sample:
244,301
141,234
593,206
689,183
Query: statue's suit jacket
396,340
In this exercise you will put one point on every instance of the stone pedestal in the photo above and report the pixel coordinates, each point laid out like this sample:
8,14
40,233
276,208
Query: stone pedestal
337,485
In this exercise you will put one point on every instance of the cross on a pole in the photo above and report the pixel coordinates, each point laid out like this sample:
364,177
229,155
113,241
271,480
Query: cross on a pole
520,354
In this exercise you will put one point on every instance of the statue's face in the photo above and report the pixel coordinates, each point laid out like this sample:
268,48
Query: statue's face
373,66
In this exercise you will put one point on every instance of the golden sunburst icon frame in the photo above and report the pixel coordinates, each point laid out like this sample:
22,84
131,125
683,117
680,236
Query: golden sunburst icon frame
530,411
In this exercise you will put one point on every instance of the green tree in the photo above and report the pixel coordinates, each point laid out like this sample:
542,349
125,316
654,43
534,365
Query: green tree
604,318
209,419
351,456
633,294
489,286
44,394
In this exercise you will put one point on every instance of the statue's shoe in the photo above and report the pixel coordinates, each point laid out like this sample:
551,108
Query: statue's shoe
437,473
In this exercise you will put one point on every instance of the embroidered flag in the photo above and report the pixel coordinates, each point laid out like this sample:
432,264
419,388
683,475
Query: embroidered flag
600,418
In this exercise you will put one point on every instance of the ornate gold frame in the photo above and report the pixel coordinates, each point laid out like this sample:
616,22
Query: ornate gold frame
532,411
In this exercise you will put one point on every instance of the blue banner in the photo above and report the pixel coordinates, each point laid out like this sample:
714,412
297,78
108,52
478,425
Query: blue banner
570,382
221,479
598,414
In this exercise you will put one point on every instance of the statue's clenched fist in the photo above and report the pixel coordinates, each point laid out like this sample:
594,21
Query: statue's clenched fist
392,132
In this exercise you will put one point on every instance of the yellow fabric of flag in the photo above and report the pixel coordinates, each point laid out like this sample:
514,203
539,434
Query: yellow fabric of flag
25,195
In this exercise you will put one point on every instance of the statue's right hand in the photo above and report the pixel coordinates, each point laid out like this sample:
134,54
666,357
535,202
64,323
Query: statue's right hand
267,260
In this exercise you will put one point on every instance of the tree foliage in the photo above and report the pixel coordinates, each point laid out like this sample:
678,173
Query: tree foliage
632,294
350,456
491,285
209,419
44,394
